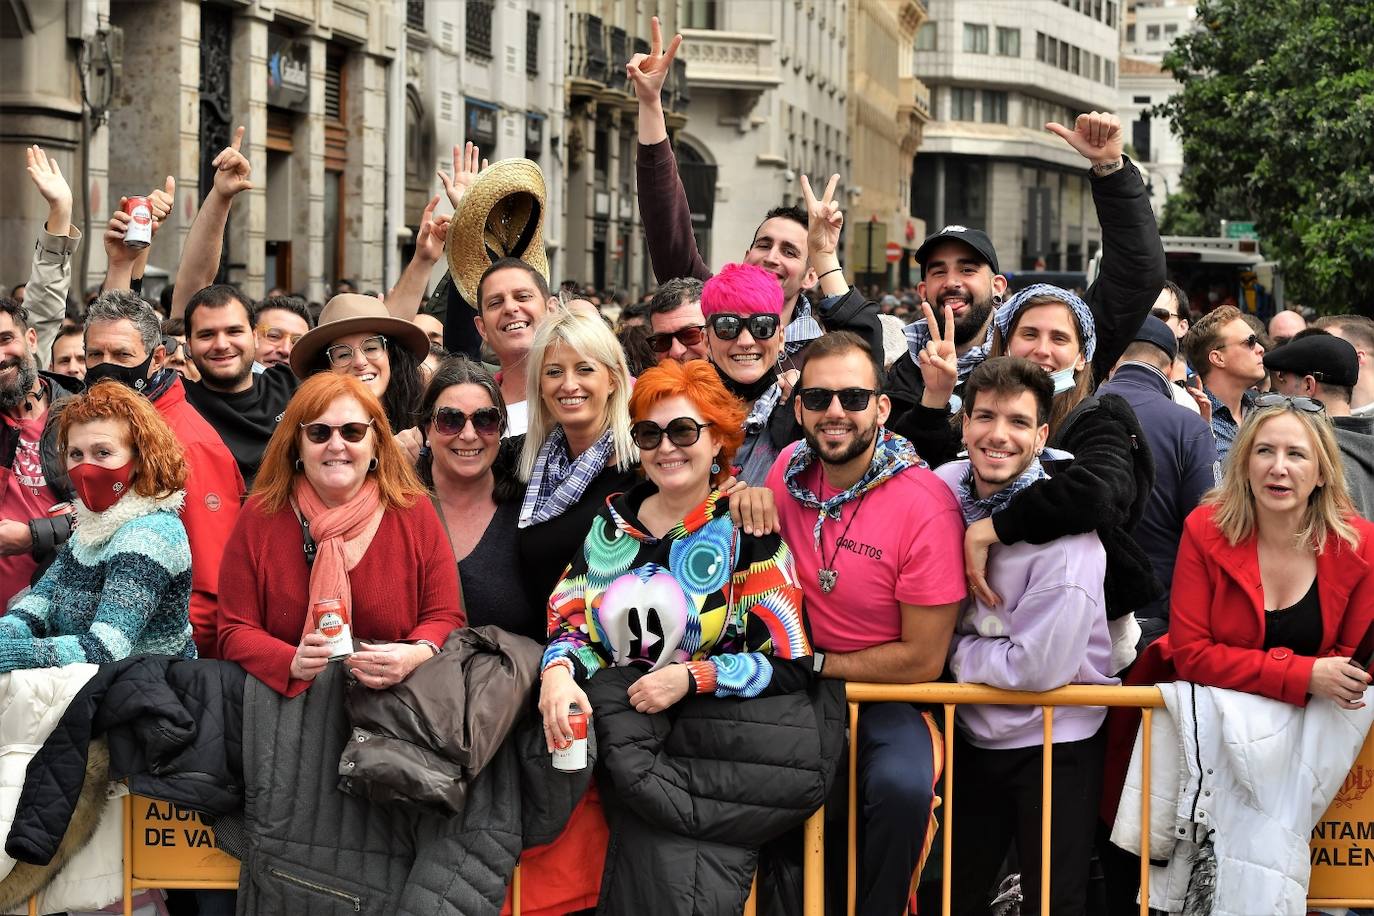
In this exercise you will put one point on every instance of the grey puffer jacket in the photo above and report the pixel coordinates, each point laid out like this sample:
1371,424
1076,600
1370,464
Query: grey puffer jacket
313,850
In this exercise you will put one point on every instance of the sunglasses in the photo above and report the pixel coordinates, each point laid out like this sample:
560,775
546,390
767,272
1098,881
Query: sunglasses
277,335
1248,343
450,421
689,337
727,327
320,433
1163,314
851,399
682,432
340,355
1306,405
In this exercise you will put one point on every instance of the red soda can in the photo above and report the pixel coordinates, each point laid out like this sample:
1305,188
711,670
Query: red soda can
140,231
571,756
331,621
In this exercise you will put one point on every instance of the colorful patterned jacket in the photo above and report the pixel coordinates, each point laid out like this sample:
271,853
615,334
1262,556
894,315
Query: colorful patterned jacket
726,604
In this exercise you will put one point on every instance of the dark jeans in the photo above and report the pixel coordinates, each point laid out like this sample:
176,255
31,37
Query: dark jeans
896,786
997,802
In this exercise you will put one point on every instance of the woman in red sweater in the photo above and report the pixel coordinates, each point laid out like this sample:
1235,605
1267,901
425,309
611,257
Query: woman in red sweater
1274,588
336,512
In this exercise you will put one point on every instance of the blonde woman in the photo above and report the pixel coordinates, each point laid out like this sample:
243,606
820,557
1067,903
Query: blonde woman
1281,518
577,450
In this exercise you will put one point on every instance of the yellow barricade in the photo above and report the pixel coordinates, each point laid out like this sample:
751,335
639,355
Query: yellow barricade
1342,851
169,847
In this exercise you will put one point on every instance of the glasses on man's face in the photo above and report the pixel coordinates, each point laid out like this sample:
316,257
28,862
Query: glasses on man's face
1298,402
450,421
682,432
727,327
689,336
320,433
340,355
851,399
1248,343
277,335
1164,314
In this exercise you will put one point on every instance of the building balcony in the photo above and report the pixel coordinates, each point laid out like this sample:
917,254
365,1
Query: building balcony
740,61
597,54
914,98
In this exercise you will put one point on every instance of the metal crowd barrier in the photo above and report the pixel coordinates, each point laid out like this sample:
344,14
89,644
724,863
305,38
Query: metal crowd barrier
949,696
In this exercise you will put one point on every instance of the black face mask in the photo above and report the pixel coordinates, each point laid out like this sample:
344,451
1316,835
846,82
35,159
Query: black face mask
135,377
749,391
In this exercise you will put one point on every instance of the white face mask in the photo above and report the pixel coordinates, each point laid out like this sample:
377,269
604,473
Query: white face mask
1063,380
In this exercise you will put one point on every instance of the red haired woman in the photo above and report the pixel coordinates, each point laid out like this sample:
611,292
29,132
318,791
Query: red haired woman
336,512
664,582
122,584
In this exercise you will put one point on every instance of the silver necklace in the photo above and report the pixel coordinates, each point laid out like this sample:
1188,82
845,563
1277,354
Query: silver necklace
828,576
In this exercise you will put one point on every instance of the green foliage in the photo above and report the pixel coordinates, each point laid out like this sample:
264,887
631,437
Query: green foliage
1277,119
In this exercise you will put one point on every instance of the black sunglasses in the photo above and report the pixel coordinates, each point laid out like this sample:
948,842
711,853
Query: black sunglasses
1306,405
850,398
450,421
682,432
1248,343
727,327
320,433
689,336
1163,314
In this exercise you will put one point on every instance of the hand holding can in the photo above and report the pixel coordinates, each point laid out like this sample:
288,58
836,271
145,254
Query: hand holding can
570,755
139,233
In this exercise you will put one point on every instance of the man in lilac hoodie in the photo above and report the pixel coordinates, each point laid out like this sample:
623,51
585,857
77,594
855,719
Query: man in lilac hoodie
1047,629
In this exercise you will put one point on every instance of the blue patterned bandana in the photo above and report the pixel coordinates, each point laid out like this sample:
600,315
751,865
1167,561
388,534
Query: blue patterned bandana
891,455
559,480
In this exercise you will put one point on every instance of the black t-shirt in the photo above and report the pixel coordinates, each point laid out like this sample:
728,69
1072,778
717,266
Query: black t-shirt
1297,628
246,420
493,585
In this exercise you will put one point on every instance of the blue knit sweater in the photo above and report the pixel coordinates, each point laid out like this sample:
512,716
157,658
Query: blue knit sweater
121,586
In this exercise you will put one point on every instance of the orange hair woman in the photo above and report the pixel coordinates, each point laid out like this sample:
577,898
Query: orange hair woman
336,513
122,584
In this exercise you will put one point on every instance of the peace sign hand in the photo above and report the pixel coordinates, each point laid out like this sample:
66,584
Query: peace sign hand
429,242
232,169
465,172
824,218
938,359
648,72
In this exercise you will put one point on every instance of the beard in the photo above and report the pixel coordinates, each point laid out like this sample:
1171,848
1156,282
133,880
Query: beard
12,395
975,317
842,453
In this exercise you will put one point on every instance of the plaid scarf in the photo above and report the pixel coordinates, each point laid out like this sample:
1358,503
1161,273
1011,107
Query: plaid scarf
918,335
803,328
762,409
975,508
892,454
559,480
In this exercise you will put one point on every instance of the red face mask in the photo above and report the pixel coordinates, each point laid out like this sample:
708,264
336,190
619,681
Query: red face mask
100,488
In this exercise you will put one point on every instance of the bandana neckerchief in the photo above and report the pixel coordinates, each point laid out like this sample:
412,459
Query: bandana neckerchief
975,508
892,454
559,480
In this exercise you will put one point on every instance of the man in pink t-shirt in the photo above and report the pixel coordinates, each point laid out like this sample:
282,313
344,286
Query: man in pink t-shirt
878,543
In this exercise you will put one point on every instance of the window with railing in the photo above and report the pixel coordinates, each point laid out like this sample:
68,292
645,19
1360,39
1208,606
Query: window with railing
532,44
478,28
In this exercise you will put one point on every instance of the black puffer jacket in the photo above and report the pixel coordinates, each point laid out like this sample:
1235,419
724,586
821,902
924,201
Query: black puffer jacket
695,791
175,731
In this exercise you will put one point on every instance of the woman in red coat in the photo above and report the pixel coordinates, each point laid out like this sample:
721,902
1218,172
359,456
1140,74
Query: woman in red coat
335,486
1273,592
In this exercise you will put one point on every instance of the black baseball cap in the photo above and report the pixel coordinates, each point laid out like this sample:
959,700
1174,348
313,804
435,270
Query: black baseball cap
976,239
1325,357
1158,333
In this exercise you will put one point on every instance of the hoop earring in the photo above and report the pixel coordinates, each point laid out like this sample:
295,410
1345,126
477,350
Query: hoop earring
300,465
715,467
372,465
996,300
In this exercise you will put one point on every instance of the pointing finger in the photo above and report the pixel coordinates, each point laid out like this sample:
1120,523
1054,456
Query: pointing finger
238,138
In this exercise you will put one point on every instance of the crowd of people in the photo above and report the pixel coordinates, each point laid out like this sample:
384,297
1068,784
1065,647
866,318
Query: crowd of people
753,483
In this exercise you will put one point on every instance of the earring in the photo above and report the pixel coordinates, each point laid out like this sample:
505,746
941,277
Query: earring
996,299
715,467
300,465
372,465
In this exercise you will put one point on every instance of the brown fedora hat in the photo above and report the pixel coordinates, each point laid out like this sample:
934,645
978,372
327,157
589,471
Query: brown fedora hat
353,313
500,216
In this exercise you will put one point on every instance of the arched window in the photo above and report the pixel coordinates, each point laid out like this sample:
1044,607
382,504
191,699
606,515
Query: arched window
419,140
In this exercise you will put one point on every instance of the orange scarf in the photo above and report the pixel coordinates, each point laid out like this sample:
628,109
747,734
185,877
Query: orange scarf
342,535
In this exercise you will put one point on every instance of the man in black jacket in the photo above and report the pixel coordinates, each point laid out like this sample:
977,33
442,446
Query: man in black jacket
959,268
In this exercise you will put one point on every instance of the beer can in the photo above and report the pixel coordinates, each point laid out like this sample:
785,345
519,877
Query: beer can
331,621
571,756
140,231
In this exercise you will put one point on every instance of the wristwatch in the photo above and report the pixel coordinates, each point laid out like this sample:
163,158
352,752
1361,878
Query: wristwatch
432,647
817,662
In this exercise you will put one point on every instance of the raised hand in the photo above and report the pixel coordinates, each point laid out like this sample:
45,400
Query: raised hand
938,360
233,170
1097,136
647,72
824,218
116,252
161,200
47,177
465,172
429,241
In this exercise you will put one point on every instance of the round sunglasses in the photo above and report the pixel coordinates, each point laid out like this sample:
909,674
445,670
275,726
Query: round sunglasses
727,327
450,421
689,336
682,432
320,433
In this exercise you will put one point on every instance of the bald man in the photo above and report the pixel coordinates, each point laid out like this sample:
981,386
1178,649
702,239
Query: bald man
1284,326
